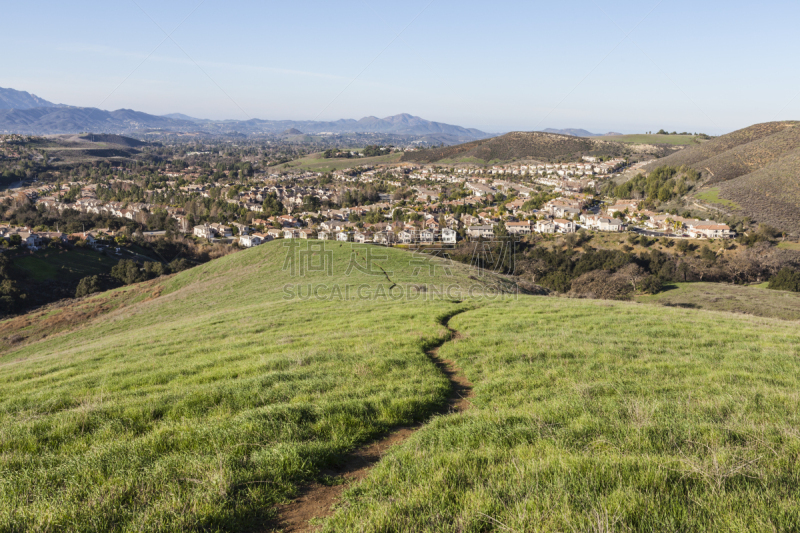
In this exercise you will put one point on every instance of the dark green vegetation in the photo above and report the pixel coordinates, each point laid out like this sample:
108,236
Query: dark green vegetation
662,184
756,168
786,280
598,416
521,145
617,267
57,264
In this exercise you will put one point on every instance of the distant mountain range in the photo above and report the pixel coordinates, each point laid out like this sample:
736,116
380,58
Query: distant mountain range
21,112
580,133
13,99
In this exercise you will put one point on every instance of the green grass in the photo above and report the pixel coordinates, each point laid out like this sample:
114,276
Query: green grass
75,264
754,300
675,140
599,416
203,408
794,246
317,163
712,196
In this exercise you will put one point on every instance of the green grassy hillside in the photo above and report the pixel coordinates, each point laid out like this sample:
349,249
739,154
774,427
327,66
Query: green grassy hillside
599,416
751,300
202,408
675,140
199,401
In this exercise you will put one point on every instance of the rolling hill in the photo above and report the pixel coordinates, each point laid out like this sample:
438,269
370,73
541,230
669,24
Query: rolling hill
527,145
207,400
755,172
578,132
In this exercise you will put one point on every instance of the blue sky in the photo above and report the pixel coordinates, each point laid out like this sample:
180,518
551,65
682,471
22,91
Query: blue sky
603,65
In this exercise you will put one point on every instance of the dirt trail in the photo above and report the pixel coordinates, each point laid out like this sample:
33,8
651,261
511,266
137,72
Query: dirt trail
317,500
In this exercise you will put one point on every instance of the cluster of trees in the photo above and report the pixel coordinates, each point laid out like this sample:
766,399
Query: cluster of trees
538,200
374,150
127,272
577,269
356,197
662,184
663,132
335,153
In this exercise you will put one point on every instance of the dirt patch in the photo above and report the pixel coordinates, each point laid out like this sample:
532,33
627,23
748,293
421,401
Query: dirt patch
317,500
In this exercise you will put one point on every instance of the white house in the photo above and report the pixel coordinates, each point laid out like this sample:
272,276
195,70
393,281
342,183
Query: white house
248,241
519,228
405,237
545,226
204,231
449,236
711,230
480,231
564,226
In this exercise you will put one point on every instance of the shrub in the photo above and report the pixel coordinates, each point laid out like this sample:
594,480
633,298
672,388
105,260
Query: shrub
88,285
785,280
652,285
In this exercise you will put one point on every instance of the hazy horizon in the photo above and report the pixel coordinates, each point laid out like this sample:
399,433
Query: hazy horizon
624,66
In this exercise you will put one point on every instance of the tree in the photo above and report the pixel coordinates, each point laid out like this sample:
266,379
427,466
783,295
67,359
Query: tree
127,272
652,285
87,286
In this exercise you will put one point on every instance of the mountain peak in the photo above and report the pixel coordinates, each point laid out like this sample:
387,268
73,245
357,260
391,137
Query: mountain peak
14,99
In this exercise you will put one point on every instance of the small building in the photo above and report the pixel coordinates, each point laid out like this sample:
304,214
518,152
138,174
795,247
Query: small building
248,241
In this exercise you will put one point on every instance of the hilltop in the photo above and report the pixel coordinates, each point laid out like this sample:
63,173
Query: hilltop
208,399
753,172
534,145
578,132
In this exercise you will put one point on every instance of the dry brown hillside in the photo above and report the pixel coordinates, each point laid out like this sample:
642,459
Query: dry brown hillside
757,168
521,145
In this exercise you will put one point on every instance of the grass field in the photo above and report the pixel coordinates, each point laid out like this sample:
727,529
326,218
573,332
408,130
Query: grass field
593,416
795,246
317,163
752,300
202,408
199,401
70,265
675,140
711,196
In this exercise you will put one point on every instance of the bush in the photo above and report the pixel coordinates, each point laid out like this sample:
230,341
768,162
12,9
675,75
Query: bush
652,285
785,280
179,265
88,285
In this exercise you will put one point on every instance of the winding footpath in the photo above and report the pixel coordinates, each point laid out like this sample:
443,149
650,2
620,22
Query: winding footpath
317,500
